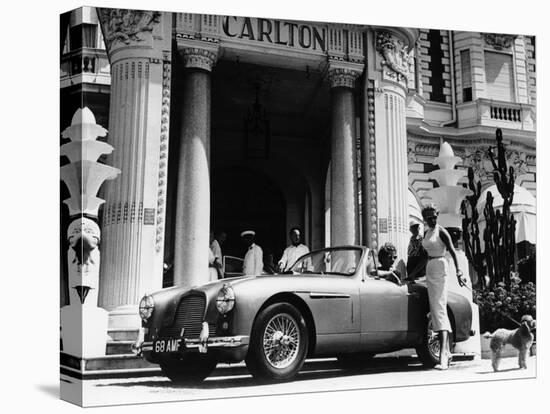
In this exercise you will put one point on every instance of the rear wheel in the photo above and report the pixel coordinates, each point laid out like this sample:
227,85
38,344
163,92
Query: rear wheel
428,351
191,368
278,344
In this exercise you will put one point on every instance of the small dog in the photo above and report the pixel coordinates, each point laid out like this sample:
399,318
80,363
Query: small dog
520,338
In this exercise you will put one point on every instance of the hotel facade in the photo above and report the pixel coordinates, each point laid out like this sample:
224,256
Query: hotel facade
234,123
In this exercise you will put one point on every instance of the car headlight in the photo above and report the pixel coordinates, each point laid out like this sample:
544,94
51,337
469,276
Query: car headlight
146,306
226,299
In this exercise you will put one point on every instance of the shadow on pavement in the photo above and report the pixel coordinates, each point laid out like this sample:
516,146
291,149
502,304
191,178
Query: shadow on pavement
239,376
500,371
49,389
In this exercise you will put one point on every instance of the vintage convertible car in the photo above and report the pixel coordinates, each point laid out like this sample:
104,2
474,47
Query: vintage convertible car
329,304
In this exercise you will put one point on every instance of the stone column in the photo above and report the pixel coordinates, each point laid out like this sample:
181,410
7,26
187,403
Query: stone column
193,191
139,48
391,67
343,204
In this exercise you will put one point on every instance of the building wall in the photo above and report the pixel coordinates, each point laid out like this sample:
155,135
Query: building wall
435,65
468,125
471,127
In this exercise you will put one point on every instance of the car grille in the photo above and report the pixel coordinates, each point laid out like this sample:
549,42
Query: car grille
189,315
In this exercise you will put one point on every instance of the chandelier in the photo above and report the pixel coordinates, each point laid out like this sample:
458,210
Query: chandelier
256,129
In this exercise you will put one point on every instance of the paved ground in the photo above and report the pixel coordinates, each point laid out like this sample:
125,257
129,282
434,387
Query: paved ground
320,375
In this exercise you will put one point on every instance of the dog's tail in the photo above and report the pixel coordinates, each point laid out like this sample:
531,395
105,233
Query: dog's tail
487,335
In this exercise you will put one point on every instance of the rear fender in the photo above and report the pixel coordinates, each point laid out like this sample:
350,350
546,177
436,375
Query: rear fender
460,312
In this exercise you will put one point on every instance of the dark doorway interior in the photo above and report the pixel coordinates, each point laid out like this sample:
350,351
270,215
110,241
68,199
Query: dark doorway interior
245,199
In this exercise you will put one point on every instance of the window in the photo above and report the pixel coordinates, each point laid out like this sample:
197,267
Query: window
466,70
83,35
499,76
436,66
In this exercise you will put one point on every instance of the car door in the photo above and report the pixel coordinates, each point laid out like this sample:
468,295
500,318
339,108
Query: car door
232,266
384,313
417,310
334,304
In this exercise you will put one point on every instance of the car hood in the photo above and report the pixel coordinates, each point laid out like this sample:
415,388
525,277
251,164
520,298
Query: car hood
168,298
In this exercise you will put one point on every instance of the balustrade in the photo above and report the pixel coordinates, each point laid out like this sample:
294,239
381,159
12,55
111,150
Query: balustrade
504,113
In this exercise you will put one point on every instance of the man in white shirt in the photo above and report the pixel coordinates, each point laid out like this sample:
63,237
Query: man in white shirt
294,251
216,243
254,258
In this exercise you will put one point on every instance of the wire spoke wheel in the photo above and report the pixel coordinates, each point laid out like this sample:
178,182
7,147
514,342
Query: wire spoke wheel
278,343
281,340
433,342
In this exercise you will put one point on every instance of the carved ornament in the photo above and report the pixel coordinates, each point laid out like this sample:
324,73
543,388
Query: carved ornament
499,41
127,26
478,159
395,54
411,152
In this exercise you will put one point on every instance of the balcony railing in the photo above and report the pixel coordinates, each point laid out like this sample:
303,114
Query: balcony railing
85,62
505,113
499,114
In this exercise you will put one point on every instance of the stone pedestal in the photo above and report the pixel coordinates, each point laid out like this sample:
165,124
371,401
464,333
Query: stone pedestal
84,330
343,180
133,216
193,192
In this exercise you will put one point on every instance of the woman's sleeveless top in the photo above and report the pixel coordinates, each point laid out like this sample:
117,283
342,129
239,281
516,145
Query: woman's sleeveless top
432,243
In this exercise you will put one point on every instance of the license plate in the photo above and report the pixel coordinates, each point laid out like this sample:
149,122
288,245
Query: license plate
166,345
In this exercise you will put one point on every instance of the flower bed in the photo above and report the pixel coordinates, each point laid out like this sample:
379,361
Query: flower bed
498,304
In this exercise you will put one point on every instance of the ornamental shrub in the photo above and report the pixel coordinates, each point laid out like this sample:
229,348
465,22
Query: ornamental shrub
497,302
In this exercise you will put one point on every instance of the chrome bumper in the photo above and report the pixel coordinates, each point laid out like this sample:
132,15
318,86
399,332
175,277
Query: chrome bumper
202,343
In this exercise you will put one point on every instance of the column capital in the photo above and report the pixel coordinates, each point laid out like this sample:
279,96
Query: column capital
344,75
198,57
131,34
128,27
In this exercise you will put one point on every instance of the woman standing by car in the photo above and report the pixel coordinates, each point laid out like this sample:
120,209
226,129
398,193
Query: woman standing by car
437,242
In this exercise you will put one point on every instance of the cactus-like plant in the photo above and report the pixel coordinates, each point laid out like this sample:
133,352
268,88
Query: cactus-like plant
497,260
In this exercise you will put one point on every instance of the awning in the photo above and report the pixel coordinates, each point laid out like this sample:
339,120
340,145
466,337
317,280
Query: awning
523,209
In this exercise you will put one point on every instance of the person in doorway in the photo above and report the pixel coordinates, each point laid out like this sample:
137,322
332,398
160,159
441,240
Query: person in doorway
386,258
214,260
416,254
253,260
437,242
292,252
216,242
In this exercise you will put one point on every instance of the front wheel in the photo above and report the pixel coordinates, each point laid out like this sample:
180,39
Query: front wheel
428,351
278,344
189,369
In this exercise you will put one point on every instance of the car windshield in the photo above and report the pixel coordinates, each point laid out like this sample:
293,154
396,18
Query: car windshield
339,261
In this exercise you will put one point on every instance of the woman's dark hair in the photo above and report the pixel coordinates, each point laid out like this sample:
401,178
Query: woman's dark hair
429,208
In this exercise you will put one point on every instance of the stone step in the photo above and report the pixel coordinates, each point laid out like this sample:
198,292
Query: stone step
119,347
123,334
107,362
110,362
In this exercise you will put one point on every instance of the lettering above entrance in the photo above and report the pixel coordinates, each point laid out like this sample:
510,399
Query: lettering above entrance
291,34
338,41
